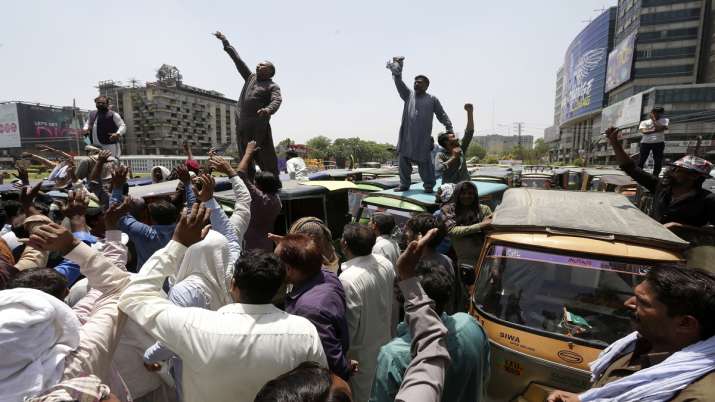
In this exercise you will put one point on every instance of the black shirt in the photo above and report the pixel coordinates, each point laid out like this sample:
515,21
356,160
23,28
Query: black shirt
696,209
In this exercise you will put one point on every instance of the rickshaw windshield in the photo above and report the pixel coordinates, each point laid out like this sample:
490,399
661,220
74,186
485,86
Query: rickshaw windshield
566,295
536,182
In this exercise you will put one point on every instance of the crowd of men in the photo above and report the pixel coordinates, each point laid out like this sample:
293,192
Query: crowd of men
108,297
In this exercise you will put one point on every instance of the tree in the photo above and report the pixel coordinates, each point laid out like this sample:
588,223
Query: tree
318,147
476,150
540,149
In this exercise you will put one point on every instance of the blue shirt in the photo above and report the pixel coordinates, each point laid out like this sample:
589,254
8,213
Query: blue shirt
322,301
466,377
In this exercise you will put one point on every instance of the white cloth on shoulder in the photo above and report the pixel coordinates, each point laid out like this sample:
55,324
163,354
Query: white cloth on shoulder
207,264
656,383
37,332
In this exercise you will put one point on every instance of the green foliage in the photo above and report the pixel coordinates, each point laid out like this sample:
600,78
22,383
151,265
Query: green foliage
476,150
322,147
319,147
490,159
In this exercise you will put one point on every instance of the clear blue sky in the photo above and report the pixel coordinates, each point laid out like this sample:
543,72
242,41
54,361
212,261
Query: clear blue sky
330,55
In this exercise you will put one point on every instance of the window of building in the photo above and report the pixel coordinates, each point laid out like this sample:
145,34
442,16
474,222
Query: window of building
665,71
671,16
672,53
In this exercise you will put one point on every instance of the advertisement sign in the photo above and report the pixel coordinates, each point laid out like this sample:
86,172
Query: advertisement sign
585,69
57,127
623,114
620,62
9,126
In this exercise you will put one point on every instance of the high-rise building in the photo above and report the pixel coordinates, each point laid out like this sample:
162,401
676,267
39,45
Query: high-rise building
497,143
552,133
162,115
664,55
584,79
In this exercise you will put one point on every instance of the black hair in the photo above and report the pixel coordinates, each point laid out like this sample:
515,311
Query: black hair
686,291
424,77
12,208
102,97
359,239
442,139
658,109
45,279
258,276
423,223
163,212
291,154
436,283
309,382
385,222
267,182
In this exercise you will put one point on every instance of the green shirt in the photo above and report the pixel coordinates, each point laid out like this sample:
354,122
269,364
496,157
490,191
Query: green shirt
466,377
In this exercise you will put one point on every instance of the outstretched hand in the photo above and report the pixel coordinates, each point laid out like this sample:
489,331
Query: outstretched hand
220,36
275,238
27,198
407,263
103,156
469,107
119,176
115,212
193,225
53,237
205,191
252,147
612,135
77,203
22,174
222,165
182,172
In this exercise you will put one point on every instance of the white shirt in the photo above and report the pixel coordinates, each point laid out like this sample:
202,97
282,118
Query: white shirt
387,247
229,354
653,138
368,282
296,169
115,149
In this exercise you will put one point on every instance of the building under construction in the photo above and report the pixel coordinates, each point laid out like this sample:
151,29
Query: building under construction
162,115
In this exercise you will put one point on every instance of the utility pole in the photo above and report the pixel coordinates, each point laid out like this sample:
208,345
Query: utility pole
519,126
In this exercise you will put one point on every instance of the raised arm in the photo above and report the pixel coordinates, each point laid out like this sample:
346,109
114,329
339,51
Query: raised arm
469,131
143,301
240,64
95,178
645,179
241,216
442,115
245,163
424,378
44,161
219,220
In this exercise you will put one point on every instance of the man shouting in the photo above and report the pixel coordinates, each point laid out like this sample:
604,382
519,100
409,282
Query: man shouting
260,98
414,143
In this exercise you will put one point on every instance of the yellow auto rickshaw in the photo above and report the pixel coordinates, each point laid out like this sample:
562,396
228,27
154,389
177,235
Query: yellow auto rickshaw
551,283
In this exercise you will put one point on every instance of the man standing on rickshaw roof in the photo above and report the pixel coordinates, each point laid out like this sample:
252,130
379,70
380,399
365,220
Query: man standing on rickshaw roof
414,144
679,201
260,98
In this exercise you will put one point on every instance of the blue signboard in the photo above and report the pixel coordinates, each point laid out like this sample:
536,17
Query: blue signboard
585,69
620,62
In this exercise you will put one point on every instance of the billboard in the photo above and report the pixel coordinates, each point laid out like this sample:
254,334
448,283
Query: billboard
9,126
623,114
54,126
620,62
585,69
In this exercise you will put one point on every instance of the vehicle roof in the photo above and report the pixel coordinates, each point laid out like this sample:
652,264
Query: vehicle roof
491,172
602,172
608,216
618,180
416,195
292,189
389,182
592,246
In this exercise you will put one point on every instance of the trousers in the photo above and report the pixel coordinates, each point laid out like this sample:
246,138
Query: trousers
426,170
259,130
657,149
